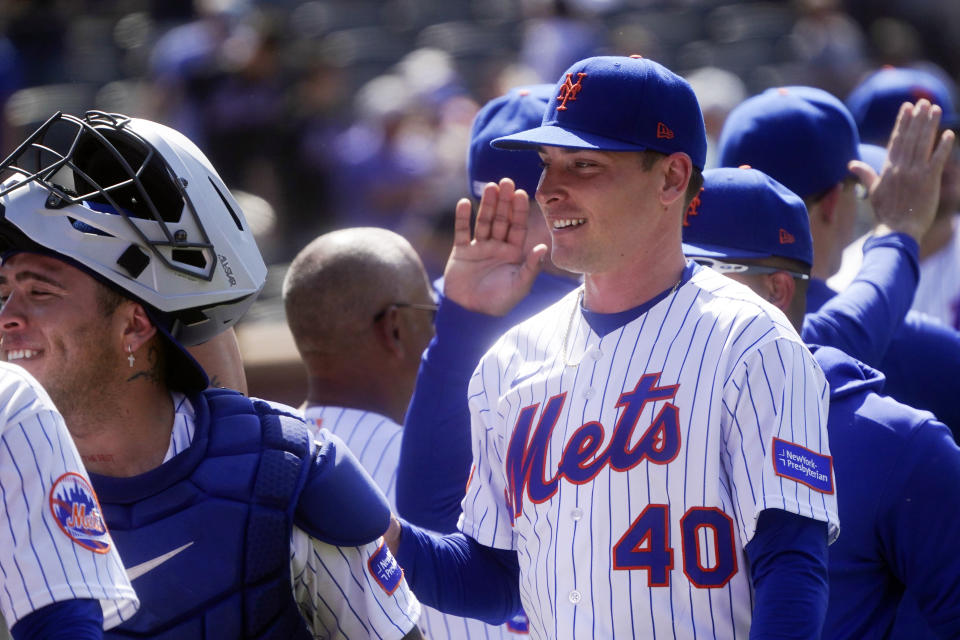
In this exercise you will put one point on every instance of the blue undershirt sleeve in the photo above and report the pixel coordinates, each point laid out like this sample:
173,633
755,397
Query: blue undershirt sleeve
435,451
788,567
457,575
80,619
862,319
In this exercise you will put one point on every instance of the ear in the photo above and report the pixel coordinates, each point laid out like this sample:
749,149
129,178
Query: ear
677,169
825,210
389,333
137,327
781,288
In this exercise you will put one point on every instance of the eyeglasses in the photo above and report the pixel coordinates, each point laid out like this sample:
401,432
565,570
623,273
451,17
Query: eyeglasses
432,308
737,267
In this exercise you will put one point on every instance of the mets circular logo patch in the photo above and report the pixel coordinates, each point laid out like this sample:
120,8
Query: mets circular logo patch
75,508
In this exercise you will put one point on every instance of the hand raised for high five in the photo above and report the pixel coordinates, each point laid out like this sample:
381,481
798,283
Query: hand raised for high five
905,195
494,271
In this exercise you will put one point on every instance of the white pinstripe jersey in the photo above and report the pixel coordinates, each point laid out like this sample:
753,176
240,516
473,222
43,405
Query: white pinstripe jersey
53,543
629,483
337,595
375,441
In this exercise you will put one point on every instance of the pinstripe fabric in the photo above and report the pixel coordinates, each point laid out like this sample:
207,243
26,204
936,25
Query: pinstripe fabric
337,595
39,563
375,441
938,292
656,452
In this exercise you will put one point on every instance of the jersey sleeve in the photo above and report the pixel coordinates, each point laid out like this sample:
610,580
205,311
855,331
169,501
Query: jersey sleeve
862,320
54,545
920,498
486,515
774,424
351,592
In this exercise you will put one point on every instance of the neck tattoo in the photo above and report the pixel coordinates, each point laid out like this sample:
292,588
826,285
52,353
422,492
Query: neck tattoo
573,313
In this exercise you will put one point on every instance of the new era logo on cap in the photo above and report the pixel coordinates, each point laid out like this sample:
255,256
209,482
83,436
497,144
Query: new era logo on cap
786,237
569,90
622,104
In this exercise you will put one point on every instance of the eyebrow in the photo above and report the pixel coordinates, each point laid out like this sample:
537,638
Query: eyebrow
32,275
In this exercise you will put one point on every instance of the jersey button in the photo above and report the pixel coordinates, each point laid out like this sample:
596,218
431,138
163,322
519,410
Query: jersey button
589,392
576,514
595,353
574,597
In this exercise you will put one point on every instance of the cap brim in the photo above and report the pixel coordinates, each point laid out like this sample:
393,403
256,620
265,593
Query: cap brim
554,136
714,251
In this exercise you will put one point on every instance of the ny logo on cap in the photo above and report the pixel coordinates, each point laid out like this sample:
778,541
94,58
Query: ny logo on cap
569,90
786,237
693,209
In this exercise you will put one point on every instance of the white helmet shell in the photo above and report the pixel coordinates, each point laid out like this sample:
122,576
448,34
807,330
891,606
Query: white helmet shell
138,205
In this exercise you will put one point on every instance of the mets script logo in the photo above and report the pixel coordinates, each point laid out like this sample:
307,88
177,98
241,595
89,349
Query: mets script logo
74,506
582,458
569,90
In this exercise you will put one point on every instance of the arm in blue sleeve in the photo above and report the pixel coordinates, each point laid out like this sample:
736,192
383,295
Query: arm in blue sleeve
66,620
788,566
457,575
918,525
862,319
435,452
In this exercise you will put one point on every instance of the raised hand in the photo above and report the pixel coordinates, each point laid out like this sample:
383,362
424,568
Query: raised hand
905,195
494,270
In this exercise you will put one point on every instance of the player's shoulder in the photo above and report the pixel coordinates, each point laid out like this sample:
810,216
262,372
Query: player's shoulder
727,302
20,391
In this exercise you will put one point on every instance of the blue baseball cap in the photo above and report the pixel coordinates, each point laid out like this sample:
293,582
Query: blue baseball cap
744,213
876,101
801,136
519,109
614,103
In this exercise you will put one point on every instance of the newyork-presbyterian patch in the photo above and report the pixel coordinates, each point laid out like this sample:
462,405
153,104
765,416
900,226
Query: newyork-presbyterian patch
385,570
75,508
807,467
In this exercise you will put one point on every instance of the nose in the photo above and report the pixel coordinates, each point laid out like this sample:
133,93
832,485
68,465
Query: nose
546,189
11,315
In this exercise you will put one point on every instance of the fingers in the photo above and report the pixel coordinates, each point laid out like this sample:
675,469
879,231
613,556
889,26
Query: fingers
486,211
518,219
943,151
532,265
504,210
461,223
914,134
865,174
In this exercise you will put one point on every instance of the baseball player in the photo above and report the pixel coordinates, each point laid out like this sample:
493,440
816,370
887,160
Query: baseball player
436,453
60,574
874,104
629,441
121,244
362,362
806,139
884,552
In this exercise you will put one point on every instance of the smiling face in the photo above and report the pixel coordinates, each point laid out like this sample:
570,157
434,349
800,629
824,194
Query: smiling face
599,207
54,324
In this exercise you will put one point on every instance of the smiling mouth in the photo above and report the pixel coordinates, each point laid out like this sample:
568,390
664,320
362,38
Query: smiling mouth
21,354
563,223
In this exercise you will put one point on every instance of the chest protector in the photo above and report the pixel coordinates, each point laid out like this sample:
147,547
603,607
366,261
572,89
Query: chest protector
206,536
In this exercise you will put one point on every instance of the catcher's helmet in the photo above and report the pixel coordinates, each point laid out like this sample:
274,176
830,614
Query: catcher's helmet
138,206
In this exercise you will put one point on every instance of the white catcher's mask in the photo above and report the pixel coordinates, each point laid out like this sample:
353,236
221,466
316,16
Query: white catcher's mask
140,207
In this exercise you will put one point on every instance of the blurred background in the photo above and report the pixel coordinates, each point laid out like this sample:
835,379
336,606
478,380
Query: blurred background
333,113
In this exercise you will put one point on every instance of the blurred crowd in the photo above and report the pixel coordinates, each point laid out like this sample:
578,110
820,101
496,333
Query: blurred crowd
332,113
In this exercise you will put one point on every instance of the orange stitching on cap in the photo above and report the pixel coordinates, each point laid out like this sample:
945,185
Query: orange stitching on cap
569,90
786,237
693,209
919,93
664,132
